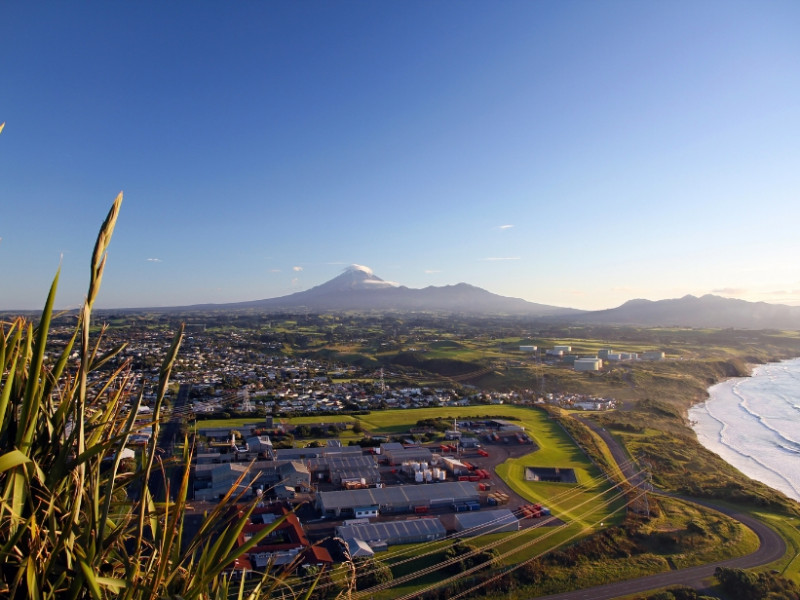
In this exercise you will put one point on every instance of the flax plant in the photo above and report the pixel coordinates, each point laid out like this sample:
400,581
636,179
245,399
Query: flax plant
74,523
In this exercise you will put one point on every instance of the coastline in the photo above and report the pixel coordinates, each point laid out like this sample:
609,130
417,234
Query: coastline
744,421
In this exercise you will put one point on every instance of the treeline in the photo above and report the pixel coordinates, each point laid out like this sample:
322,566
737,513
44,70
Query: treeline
737,584
746,585
261,412
446,423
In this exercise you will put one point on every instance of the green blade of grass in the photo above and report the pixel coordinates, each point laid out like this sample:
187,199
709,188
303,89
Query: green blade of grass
32,398
12,459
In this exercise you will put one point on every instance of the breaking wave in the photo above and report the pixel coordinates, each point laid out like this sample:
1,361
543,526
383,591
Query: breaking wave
754,424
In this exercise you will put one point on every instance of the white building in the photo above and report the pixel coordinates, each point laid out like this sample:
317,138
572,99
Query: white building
528,348
588,364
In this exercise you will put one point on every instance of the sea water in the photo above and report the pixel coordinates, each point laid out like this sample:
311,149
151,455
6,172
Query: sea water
754,424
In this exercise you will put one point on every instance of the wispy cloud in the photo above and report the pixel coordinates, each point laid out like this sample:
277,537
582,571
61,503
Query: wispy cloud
501,258
297,269
730,291
787,297
274,270
502,227
355,267
382,283
431,271
154,260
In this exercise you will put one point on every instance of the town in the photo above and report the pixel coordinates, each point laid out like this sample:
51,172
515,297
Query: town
334,445
236,390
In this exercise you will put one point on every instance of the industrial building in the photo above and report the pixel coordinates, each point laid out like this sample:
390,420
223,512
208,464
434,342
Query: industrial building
260,444
406,498
453,465
414,531
469,442
501,520
212,481
388,446
398,456
223,434
588,364
504,426
309,453
339,469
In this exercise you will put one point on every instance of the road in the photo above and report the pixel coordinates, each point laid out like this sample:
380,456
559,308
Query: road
771,548
168,435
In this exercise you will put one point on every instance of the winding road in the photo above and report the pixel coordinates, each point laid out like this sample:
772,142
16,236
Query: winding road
771,547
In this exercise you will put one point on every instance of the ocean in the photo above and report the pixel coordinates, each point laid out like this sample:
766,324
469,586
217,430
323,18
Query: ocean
754,424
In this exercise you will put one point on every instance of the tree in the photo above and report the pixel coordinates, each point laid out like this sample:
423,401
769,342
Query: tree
745,585
371,572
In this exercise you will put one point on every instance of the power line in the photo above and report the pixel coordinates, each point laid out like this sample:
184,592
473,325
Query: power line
620,494
437,546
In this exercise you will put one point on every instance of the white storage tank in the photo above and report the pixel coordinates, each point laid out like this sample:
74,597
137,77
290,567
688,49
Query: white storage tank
418,476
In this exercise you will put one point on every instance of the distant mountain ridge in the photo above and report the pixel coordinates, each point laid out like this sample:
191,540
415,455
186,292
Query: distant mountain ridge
704,311
359,289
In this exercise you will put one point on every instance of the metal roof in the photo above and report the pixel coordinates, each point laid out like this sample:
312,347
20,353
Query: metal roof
399,496
335,463
358,548
408,454
486,521
372,474
391,446
394,531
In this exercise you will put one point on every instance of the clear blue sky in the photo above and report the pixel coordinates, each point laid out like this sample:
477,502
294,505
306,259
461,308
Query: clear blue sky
574,153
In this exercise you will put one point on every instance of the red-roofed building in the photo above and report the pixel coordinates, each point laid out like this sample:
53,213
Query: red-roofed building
286,545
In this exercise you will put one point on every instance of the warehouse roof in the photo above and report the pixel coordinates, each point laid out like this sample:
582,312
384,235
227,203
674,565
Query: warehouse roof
399,496
394,531
306,453
486,521
338,462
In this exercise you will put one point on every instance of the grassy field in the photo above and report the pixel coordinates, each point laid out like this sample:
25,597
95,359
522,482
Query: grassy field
789,528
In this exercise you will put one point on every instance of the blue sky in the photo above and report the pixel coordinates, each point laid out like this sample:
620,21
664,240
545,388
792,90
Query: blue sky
570,153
